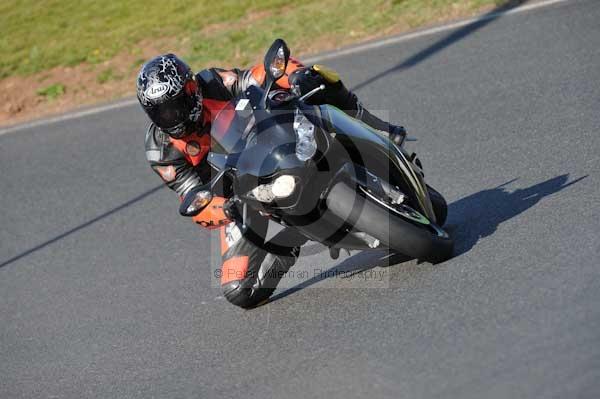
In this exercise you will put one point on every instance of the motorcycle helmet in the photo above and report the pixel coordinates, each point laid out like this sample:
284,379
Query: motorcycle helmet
168,92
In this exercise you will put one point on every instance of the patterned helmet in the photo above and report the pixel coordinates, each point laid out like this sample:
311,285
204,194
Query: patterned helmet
168,92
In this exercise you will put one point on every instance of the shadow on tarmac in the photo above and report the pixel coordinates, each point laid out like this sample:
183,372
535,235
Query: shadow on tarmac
446,41
81,226
478,215
469,219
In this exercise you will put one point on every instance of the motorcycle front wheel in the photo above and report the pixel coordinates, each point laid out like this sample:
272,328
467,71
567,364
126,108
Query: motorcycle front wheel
410,235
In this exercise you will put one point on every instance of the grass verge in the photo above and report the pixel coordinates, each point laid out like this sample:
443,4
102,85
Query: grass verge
104,43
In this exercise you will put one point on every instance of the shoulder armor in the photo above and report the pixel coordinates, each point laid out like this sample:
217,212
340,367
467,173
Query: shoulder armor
159,148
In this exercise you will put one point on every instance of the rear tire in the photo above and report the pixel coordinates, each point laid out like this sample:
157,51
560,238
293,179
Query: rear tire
412,239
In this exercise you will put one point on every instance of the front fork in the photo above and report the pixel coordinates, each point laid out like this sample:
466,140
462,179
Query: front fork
388,196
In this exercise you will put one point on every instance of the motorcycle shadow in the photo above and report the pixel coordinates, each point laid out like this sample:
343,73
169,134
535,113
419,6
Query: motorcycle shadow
478,215
361,262
469,220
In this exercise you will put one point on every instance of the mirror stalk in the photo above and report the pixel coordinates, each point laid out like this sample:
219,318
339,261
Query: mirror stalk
263,100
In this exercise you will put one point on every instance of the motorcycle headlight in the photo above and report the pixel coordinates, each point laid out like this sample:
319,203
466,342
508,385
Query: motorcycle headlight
306,146
281,187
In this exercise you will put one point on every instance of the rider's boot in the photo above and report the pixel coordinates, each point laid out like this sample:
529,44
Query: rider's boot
396,133
335,93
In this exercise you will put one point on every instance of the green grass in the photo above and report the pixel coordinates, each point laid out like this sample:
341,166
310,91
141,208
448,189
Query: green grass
106,75
36,35
52,92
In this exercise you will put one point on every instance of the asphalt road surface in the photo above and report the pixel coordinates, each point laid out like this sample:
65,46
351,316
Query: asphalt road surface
105,292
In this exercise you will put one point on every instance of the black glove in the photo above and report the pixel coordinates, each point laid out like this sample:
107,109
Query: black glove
230,209
304,80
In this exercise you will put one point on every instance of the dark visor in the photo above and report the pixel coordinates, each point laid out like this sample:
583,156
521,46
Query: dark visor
172,112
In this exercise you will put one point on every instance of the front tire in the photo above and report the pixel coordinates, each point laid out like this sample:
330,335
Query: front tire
412,239
440,207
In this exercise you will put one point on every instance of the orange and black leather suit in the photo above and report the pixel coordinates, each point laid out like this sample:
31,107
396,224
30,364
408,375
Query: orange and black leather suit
250,271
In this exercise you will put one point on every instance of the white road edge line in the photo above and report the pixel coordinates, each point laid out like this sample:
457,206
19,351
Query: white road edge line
334,54
431,31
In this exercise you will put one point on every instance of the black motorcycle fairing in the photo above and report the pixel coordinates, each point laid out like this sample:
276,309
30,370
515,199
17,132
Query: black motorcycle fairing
370,149
258,145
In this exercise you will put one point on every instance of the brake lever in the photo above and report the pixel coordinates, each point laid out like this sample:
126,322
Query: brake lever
312,92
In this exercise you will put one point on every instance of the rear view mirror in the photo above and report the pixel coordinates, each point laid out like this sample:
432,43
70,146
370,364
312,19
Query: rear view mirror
276,60
275,64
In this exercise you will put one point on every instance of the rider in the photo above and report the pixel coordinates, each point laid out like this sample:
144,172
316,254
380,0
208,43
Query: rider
181,106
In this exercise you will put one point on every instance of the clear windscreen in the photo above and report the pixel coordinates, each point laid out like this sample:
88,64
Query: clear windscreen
232,129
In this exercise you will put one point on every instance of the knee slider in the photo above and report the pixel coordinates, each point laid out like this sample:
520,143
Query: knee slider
236,294
239,293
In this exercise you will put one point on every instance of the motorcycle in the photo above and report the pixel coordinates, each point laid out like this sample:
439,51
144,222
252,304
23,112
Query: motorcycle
315,169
